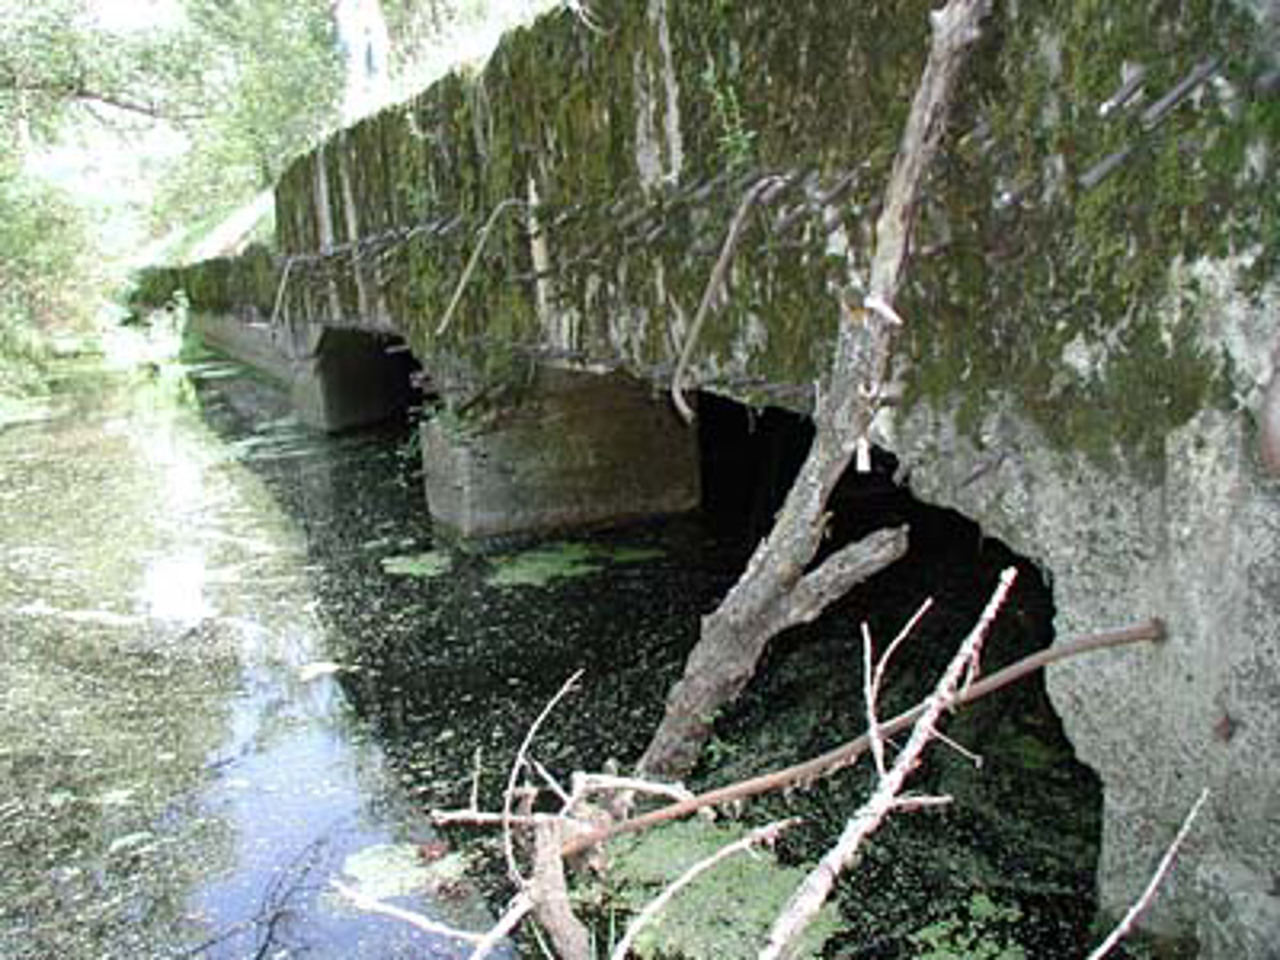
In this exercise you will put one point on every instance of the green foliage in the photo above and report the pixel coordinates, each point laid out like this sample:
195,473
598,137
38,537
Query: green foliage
737,142
58,63
42,256
981,933
276,80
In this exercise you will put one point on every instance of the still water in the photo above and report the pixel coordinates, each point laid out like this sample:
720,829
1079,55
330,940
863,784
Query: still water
235,667
180,770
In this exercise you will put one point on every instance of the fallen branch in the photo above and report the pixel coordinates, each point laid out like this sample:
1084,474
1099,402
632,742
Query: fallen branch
847,753
374,905
509,920
767,834
517,765
734,636
1149,894
549,892
816,887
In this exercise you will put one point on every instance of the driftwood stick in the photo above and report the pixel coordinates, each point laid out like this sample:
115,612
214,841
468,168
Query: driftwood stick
847,753
816,887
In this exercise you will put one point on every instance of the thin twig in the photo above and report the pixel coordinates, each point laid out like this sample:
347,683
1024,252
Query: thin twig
766,834
816,887
475,780
1162,870
374,905
481,818
873,678
517,765
869,676
550,781
593,782
520,906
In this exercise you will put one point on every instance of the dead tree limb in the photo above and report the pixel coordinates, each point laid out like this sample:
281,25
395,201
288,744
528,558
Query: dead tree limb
813,891
734,636
847,754
1162,870
550,895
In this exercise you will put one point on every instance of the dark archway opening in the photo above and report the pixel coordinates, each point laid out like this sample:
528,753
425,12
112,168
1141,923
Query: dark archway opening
1024,828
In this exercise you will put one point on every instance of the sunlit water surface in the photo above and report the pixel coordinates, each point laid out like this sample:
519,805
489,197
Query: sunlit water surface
182,774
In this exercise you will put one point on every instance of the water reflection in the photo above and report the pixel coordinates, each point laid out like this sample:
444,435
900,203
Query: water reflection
180,776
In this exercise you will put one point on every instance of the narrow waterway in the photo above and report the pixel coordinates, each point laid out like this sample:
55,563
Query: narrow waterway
236,668
181,772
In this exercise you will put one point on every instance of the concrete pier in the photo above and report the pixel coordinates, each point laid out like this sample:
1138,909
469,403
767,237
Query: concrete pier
578,450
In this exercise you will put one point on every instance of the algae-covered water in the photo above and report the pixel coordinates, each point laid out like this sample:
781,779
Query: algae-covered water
180,773
237,666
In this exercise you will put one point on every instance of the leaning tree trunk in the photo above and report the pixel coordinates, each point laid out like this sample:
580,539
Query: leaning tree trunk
775,591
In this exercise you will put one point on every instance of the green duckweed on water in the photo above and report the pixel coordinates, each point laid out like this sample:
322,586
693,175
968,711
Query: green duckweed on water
433,563
726,911
541,565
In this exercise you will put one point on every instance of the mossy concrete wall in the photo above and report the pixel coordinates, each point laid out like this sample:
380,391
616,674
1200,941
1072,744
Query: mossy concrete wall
577,450
1088,316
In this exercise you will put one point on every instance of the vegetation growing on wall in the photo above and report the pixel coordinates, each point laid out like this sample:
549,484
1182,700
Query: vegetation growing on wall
1043,255
1056,265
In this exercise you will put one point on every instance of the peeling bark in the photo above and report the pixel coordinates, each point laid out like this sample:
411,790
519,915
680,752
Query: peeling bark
775,591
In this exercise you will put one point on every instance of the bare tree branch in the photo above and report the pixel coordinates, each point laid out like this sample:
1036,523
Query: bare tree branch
75,91
1149,894
1152,631
734,636
516,766
374,905
816,887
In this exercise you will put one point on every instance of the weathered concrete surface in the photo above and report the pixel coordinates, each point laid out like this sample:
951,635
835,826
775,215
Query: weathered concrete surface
257,345
1201,549
1103,405
336,379
574,450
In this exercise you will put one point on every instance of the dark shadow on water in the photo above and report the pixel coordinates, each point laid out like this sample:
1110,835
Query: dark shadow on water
447,672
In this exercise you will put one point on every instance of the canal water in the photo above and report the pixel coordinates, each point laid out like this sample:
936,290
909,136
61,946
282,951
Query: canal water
182,773
237,668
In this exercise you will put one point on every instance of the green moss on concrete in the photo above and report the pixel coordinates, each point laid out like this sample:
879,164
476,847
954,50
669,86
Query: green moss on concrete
1025,261
1068,264
218,285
